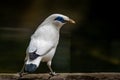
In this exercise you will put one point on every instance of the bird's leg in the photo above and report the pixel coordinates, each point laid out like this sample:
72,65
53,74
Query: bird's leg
22,70
51,71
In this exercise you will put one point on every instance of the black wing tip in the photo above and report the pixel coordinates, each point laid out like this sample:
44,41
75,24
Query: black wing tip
33,55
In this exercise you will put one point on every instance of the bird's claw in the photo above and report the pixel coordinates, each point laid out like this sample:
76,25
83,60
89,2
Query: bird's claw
52,73
21,74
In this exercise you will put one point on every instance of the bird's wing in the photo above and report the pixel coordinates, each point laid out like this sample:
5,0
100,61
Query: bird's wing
39,47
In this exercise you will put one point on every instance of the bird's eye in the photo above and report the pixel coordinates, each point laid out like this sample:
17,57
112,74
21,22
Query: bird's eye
61,19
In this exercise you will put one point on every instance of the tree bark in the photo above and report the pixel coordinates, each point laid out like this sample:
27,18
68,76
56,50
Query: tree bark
62,76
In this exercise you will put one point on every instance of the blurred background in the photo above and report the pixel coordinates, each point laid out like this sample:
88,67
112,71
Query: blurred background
90,45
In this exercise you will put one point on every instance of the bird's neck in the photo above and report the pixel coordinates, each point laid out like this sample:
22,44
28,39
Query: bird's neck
57,25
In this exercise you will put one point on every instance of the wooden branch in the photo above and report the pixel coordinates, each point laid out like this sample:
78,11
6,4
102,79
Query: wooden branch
62,76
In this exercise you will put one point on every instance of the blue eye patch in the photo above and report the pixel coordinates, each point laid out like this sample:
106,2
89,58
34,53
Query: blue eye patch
60,19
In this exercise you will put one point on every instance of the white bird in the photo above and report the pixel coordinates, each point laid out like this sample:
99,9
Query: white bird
43,43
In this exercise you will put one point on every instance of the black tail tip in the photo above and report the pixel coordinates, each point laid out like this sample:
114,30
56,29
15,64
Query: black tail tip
30,67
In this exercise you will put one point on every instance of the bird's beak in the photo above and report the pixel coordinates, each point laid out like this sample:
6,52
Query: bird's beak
71,21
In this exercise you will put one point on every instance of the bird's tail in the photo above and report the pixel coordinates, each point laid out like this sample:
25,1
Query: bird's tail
32,65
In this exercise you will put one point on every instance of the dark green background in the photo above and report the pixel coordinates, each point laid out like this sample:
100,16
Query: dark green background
90,45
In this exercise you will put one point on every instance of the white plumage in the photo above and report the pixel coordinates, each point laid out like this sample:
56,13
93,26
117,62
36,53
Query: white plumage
44,41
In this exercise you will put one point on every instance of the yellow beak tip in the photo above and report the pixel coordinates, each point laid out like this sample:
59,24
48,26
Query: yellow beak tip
72,21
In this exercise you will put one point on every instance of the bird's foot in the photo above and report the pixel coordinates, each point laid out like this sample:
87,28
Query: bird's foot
53,74
21,74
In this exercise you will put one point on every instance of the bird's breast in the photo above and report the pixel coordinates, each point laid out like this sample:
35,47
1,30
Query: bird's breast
49,55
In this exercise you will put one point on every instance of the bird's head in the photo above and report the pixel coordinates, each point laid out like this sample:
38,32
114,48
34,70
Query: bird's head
59,19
